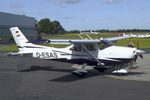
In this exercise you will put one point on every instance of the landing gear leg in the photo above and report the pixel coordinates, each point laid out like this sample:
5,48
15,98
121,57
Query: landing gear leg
100,69
80,72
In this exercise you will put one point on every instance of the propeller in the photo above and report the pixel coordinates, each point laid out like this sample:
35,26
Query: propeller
138,54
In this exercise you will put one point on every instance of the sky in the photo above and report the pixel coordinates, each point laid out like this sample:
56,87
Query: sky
85,14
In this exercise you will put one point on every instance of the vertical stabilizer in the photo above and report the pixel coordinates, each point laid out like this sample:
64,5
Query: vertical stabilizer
19,38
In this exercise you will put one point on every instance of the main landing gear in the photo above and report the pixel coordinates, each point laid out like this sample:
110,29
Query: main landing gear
100,69
81,71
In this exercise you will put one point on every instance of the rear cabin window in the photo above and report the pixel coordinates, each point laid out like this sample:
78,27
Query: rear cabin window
90,47
76,48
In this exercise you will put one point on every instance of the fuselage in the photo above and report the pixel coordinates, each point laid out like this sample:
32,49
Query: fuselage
111,55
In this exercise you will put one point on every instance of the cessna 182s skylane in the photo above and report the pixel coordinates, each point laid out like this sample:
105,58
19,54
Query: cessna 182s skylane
79,52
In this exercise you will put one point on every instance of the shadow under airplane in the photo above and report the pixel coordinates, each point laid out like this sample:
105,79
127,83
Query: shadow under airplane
47,68
71,77
67,78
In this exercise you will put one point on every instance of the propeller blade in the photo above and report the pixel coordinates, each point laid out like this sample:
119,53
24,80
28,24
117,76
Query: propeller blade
138,51
141,56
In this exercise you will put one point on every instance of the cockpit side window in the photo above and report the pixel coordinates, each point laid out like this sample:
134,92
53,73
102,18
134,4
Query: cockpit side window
90,47
76,48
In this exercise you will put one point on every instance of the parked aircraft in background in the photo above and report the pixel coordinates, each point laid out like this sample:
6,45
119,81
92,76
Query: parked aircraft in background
143,36
91,32
137,35
99,53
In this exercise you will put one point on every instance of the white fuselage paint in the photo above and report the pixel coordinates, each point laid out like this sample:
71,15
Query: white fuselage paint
89,53
43,52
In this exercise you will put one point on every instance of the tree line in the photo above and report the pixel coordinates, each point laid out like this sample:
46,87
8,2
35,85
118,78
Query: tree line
111,31
54,27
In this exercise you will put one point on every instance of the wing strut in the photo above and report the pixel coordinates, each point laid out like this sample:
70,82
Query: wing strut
80,36
89,37
99,63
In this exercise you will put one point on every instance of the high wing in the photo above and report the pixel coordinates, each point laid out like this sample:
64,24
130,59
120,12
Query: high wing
65,41
73,41
108,41
113,39
57,41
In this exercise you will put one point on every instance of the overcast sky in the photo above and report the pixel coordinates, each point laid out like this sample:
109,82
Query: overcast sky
85,14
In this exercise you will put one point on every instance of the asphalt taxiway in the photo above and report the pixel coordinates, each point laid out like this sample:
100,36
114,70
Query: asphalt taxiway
25,78
139,72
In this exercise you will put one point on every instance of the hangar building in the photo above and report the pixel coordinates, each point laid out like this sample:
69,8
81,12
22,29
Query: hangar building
26,24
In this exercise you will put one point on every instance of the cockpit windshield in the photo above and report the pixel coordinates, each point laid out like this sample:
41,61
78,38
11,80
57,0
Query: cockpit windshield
104,44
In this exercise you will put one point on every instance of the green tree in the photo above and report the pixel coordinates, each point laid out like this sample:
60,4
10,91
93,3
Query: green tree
45,26
56,27
48,27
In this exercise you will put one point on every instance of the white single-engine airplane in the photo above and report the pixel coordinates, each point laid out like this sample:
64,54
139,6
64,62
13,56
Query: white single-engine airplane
98,52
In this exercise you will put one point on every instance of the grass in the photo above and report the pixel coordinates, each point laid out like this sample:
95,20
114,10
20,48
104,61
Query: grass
14,48
139,42
8,48
75,36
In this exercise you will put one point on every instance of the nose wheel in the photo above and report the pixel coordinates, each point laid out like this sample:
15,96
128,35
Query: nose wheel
119,70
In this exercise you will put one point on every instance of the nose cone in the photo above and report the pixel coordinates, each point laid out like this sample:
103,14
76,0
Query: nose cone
136,52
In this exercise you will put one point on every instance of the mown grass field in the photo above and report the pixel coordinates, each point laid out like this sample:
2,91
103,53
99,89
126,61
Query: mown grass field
139,42
76,36
8,48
